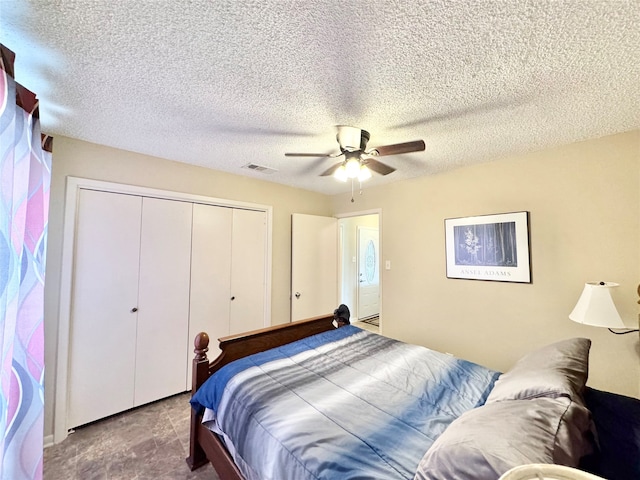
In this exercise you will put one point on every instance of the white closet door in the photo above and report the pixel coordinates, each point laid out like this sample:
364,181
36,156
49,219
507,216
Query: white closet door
163,305
105,286
210,277
248,270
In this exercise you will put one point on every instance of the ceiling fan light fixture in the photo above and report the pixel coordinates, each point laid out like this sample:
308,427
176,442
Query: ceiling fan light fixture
340,174
364,173
352,167
358,163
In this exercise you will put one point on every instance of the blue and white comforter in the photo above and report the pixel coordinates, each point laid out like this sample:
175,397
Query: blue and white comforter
343,404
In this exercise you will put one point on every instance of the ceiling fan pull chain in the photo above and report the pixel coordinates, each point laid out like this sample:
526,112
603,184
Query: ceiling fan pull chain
352,200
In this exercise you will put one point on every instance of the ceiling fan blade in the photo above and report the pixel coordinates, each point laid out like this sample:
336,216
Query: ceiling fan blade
307,155
331,170
378,167
408,147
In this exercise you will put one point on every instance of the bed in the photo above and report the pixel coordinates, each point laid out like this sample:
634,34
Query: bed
307,400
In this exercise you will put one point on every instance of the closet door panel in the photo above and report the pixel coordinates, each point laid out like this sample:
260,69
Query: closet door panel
105,285
163,315
210,276
248,254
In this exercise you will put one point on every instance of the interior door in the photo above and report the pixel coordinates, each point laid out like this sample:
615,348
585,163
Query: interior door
314,265
102,340
368,272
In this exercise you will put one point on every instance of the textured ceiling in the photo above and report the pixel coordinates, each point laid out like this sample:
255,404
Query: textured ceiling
225,83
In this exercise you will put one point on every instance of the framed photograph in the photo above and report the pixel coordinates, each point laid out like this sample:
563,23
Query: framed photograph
489,247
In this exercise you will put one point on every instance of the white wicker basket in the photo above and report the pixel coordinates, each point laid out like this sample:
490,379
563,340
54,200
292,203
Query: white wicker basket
547,472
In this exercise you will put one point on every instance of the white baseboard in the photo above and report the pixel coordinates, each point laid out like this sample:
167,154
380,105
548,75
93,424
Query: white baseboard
48,441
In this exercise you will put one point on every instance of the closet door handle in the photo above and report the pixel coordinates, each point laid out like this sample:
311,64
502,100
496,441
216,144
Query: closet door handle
233,298
134,309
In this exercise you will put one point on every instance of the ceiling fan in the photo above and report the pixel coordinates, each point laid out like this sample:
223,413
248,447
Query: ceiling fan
358,162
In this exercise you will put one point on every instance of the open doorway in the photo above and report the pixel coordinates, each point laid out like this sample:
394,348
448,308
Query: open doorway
359,268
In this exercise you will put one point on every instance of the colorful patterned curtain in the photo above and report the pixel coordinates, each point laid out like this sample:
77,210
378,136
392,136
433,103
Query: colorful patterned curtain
25,174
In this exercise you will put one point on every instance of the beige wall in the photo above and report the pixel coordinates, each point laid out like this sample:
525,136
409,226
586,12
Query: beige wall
584,205
82,159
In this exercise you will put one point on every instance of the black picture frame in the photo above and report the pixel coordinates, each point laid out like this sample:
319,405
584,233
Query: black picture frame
489,247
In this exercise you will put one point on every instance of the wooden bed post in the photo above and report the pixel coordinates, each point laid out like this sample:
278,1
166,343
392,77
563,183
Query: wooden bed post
200,373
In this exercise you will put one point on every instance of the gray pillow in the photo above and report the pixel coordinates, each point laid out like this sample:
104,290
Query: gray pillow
487,441
556,370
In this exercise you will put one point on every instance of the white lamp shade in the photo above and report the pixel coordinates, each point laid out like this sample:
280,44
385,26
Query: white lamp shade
352,167
340,174
595,307
364,174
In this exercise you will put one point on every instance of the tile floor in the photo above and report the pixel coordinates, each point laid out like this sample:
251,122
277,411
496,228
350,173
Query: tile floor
150,442
367,326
